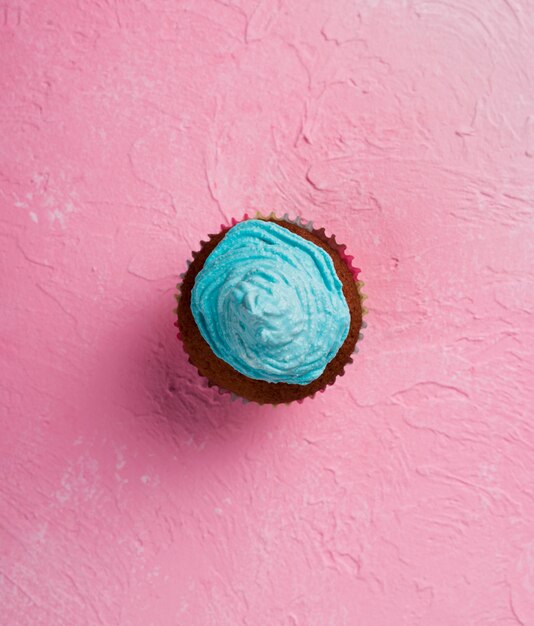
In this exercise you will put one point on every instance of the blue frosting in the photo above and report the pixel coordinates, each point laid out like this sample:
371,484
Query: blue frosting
270,304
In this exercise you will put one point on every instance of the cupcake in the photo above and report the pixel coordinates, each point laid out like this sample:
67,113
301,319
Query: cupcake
270,310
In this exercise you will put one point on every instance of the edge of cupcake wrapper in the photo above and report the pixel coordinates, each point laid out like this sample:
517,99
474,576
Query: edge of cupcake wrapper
331,241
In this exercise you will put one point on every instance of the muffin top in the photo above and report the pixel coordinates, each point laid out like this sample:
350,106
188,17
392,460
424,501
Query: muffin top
270,304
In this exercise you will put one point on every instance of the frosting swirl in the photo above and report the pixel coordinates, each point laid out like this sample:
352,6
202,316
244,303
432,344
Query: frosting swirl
270,304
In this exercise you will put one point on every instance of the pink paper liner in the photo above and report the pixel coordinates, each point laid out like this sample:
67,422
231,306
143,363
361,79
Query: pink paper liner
331,241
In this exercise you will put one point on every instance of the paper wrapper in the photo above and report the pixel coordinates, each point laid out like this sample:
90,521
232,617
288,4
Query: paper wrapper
333,244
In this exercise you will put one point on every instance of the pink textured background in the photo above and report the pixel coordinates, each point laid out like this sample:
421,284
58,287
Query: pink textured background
132,496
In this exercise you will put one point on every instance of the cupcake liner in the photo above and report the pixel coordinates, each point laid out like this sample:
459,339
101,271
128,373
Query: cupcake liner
331,241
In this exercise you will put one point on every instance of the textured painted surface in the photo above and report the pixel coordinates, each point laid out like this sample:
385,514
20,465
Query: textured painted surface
131,495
